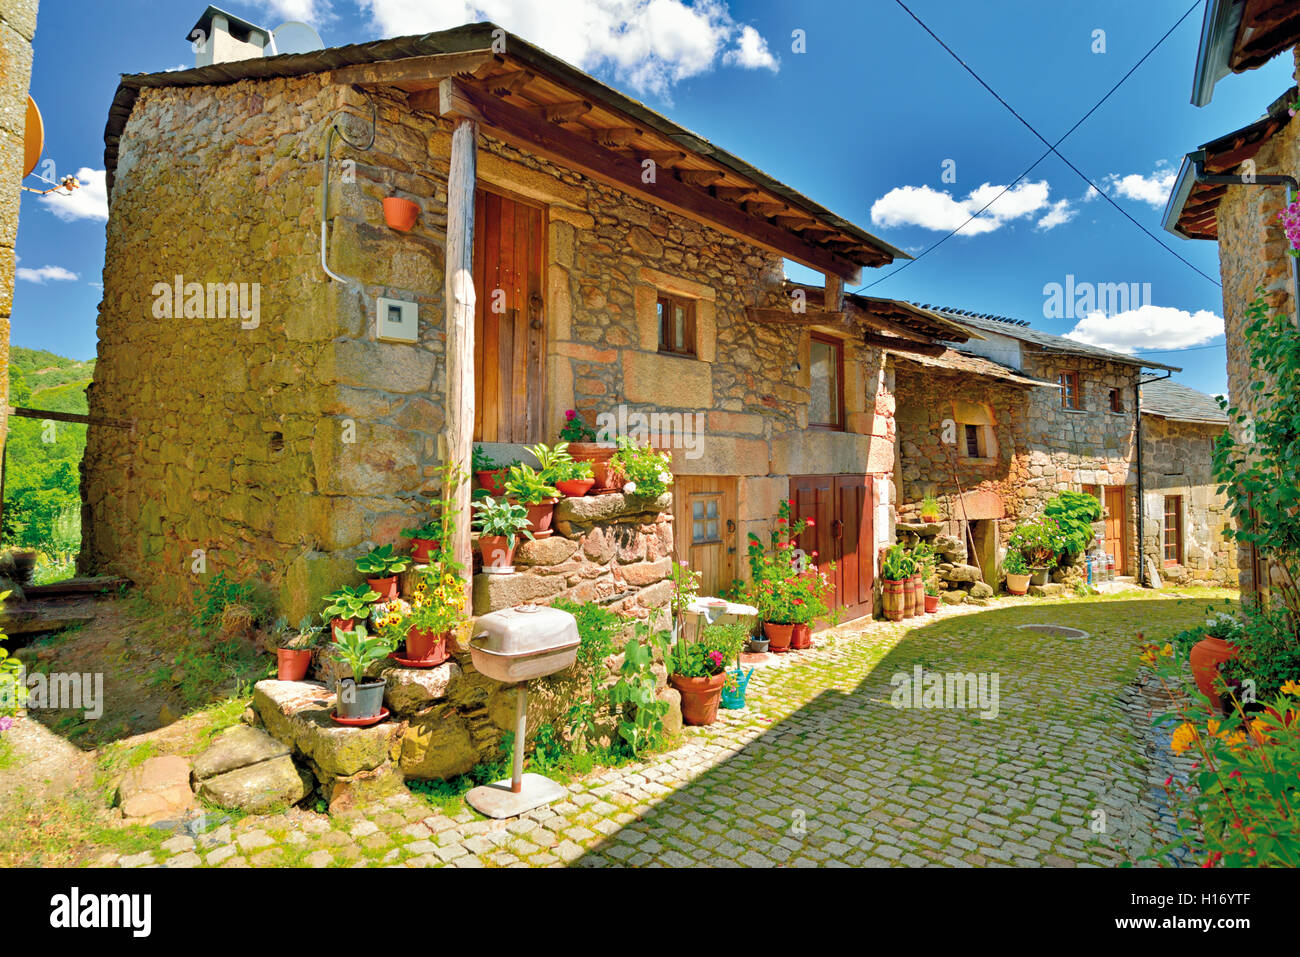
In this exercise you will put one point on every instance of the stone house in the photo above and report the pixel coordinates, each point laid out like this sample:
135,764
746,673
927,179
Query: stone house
1232,188
996,426
296,370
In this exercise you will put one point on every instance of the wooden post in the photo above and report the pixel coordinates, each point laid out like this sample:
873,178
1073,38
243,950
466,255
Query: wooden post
460,296
834,296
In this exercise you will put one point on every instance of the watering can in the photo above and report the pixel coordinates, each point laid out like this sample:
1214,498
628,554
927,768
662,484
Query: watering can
734,697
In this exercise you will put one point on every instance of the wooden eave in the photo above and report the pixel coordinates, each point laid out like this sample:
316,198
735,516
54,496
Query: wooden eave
1267,28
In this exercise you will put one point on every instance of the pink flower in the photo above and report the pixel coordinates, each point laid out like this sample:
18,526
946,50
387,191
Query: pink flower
716,658
570,414
810,523
6,724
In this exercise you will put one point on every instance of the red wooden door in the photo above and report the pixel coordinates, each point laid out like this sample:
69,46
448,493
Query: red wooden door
841,507
509,332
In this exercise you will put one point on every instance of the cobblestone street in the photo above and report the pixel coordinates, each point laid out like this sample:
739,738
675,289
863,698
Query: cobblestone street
821,769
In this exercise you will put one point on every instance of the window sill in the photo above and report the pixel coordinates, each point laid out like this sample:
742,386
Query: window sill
678,355
1074,411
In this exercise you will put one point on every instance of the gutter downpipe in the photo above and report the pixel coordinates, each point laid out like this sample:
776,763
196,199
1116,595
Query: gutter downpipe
1141,487
325,183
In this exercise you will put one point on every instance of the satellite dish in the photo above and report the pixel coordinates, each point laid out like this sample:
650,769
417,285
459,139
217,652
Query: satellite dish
33,138
294,37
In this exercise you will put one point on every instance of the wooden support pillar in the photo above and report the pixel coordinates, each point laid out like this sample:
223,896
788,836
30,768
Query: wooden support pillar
459,304
834,297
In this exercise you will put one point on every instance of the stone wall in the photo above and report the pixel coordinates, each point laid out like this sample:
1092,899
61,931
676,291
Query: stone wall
17,27
284,451
1177,460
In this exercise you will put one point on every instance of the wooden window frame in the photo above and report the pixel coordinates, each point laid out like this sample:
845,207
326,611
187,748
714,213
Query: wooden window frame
1068,380
837,401
664,304
1116,399
705,497
1177,513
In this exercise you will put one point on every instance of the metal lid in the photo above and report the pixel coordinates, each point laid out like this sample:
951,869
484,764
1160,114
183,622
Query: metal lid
525,630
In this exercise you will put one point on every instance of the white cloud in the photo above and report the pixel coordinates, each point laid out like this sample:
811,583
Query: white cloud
308,11
941,211
90,201
1148,328
45,274
648,44
1152,190
751,52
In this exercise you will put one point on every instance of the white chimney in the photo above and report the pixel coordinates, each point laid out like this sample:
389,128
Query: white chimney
221,37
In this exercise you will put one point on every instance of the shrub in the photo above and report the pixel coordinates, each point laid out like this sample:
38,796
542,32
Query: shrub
647,473
1040,540
1074,513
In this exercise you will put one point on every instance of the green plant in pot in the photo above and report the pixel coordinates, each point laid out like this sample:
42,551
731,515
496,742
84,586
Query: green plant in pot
929,509
1041,542
896,570
381,566
696,669
1017,571
357,698
490,473
646,473
348,605
499,524
931,597
295,647
532,490
423,541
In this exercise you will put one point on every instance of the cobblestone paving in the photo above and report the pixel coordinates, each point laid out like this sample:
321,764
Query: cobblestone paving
821,770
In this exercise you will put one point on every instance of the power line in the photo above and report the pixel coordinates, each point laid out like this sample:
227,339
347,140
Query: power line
1051,148
1148,352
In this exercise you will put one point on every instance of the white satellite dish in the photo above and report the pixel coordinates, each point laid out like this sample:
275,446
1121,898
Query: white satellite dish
293,37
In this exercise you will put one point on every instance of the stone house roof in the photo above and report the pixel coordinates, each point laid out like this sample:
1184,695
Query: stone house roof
954,361
1173,400
1019,329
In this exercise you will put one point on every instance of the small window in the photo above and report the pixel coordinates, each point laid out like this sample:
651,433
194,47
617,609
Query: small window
973,441
1070,397
705,528
676,325
1116,400
1173,535
826,404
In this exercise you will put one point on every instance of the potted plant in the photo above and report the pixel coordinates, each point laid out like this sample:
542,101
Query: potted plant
490,473
359,700
810,590
1210,654
733,688
572,478
1017,571
437,608
538,496
499,522
584,448
786,593
381,566
696,669
895,570
345,606
400,214
423,540
295,647
646,473
1040,541
931,598
929,509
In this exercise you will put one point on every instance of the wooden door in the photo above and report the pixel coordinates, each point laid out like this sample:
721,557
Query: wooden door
509,326
840,506
1116,541
704,531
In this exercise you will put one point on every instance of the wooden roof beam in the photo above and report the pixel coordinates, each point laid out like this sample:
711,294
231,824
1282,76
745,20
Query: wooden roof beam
563,112
700,177
417,72
785,316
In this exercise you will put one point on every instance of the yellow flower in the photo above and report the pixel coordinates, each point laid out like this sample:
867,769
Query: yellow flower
1184,737
1291,688
1167,650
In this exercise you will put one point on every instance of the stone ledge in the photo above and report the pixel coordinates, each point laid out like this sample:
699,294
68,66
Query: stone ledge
298,713
614,507
411,690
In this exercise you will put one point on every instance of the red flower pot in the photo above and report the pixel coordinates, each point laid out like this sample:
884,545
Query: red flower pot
291,664
495,551
540,516
425,646
778,636
700,697
342,624
387,587
801,637
893,598
492,482
931,604
604,478
421,549
1206,657
576,488
400,214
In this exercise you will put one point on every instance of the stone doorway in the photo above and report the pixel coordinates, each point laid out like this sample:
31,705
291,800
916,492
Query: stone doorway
982,548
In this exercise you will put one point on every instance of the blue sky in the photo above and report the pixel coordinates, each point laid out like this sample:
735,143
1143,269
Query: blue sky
866,120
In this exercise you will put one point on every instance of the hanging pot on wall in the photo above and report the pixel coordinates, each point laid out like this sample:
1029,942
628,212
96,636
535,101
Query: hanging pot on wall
400,214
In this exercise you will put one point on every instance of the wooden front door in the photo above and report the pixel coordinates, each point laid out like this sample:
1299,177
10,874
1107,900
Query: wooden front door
841,507
509,320
704,528
1116,541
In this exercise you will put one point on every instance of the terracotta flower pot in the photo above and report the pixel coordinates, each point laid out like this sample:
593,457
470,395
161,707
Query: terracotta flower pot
801,637
425,646
778,635
1206,657
700,697
387,587
291,664
576,488
1017,584
605,478
421,549
929,519
893,599
400,214
492,482
496,552
931,604
540,516
342,624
